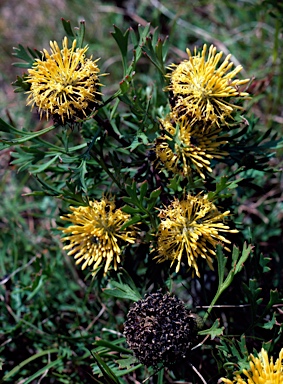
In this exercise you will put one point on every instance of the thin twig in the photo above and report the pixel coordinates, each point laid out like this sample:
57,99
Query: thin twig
201,343
222,306
197,372
46,371
96,318
7,278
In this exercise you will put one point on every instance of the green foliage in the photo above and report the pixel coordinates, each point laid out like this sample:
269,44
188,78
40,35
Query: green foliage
115,368
59,324
214,331
79,33
27,55
234,354
126,290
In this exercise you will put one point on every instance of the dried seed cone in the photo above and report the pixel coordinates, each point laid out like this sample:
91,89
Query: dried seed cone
159,329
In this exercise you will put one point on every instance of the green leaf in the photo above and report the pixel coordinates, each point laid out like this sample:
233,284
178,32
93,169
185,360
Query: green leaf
236,267
152,199
132,190
127,362
222,185
80,34
43,167
274,299
124,275
112,346
143,190
49,188
134,38
270,324
122,291
156,50
214,331
221,260
245,254
107,373
129,209
140,139
68,29
143,32
124,86
82,173
36,286
21,84
252,291
24,135
234,353
27,55
122,41
127,199
42,370
175,183
28,360
155,194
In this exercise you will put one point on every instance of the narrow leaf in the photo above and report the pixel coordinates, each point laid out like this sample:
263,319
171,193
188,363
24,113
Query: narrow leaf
68,29
143,190
106,371
214,331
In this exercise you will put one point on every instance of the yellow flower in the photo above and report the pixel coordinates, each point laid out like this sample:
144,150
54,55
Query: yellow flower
262,371
189,146
94,236
64,84
190,229
202,89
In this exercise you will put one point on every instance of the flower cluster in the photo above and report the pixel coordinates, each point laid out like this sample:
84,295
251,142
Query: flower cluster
64,84
95,236
185,146
262,371
201,91
189,229
160,329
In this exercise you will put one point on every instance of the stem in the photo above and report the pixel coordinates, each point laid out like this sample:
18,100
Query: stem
100,160
108,127
116,94
216,297
87,152
105,168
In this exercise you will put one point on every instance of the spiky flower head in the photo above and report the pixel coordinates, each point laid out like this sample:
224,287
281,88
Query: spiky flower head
189,229
261,371
95,238
189,147
64,84
160,329
202,89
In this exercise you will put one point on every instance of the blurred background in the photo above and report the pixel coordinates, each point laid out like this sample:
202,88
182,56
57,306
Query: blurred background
246,28
41,289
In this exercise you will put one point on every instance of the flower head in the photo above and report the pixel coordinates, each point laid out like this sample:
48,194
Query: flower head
64,84
160,329
262,371
189,229
189,146
201,89
95,236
